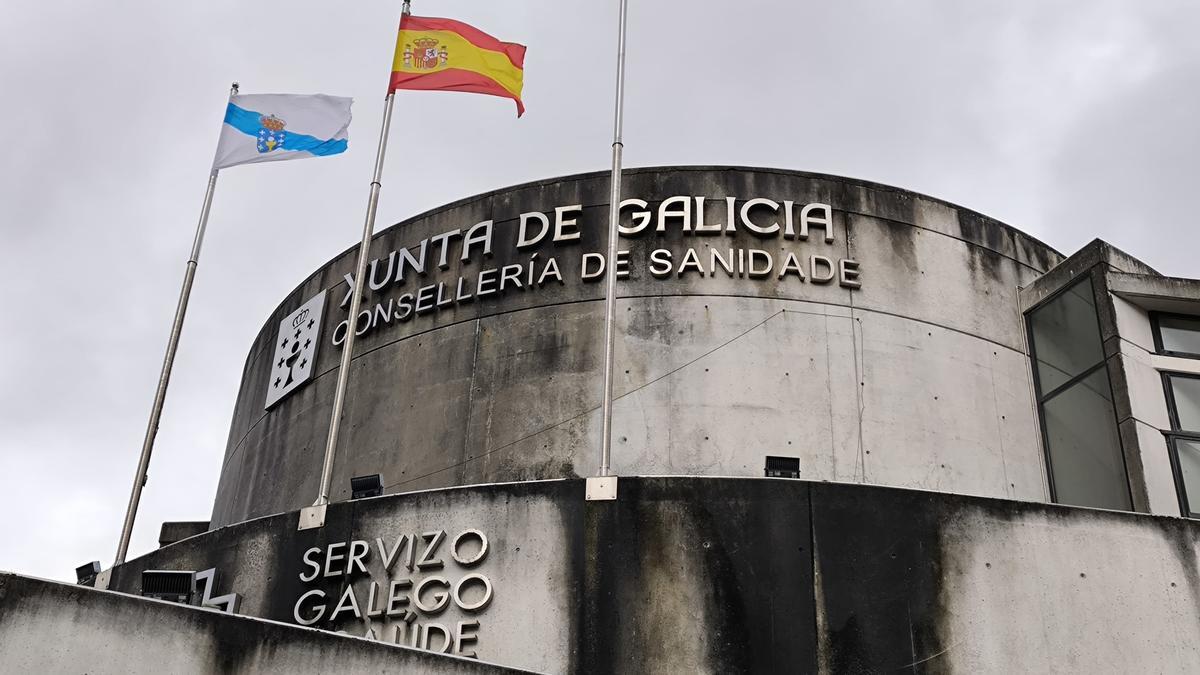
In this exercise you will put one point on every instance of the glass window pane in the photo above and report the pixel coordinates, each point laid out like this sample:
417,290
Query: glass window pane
1189,469
1187,401
1066,336
1085,450
1180,334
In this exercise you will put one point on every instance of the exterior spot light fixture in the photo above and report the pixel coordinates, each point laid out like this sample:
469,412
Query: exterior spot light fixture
170,585
782,467
366,486
85,575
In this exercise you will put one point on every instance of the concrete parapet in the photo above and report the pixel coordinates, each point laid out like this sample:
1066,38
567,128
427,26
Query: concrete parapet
49,627
727,575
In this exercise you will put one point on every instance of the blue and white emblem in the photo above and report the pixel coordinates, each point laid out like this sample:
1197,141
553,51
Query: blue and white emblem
270,133
295,349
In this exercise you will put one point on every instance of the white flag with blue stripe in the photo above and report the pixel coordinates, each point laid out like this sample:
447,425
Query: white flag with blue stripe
272,127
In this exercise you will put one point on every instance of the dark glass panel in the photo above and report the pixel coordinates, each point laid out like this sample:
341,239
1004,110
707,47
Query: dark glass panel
1187,402
1180,334
1189,470
1085,449
1066,336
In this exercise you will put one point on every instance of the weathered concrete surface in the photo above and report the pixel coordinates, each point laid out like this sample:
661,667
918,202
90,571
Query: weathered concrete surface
968,586
1143,413
1157,293
1126,292
1138,378
49,627
718,575
1081,592
917,379
173,531
1097,252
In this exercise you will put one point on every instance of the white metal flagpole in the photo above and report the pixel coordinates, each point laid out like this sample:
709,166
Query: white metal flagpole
604,486
164,378
314,516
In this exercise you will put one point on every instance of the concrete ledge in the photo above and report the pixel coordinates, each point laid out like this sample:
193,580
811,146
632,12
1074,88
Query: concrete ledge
687,574
49,627
1095,253
1157,293
173,531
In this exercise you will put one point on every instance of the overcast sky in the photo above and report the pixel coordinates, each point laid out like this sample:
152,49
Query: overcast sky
1069,120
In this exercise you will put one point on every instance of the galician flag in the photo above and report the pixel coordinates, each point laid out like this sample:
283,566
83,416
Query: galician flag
449,55
272,127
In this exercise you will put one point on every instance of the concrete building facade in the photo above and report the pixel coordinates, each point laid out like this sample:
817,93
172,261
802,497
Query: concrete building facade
988,446
911,371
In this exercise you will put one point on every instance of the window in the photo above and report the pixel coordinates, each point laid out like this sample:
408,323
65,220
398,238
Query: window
1079,424
1186,459
1179,335
1176,334
1066,334
1085,451
1183,403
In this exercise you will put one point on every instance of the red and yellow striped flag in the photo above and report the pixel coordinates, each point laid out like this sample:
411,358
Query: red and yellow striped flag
448,55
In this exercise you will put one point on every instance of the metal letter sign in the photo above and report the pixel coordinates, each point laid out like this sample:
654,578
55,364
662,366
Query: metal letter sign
295,349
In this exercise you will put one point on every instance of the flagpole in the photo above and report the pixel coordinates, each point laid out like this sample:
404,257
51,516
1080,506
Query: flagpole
164,378
314,516
610,293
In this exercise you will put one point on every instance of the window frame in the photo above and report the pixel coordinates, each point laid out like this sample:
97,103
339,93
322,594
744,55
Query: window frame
1156,328
1176,434
1042,397
1030,342
1180,487
1172,409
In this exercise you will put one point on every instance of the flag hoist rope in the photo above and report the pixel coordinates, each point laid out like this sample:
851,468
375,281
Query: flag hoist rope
164,378
339,397
614,210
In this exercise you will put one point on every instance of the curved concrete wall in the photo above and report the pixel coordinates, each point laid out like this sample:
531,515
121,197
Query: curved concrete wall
710,575
918,378
114,634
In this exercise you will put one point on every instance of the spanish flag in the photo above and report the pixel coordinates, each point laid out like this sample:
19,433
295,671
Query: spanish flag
448,55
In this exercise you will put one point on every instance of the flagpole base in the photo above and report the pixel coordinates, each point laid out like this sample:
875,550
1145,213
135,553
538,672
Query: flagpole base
600,489
312,517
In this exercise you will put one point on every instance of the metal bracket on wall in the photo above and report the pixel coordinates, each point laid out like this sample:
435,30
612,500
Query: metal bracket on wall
312,517
102,579
601,489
